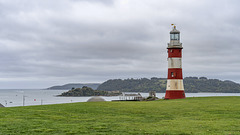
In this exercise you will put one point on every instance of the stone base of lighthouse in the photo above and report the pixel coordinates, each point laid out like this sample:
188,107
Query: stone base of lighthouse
175,89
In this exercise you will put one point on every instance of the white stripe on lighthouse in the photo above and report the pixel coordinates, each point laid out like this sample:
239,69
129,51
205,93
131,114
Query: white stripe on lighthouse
175,84
174,62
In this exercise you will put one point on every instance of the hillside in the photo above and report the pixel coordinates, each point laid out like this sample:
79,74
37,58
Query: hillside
202,116
74,85
191,85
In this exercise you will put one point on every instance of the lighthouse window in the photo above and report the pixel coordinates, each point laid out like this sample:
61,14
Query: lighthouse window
177,36
174,36
172,74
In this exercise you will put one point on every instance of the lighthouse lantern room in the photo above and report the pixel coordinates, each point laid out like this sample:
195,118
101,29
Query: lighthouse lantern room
175,88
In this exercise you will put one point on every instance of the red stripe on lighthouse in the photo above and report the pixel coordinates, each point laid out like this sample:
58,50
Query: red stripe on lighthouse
175,73
174,94
174,52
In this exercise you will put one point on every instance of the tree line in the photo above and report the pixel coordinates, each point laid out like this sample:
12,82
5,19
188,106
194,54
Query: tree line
191,85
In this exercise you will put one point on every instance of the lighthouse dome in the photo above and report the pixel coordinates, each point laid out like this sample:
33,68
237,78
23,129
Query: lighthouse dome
174,31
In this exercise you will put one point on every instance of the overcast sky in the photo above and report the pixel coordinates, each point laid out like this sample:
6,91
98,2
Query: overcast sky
53,42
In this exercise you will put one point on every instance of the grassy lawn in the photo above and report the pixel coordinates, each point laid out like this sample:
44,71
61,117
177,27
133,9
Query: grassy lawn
206,115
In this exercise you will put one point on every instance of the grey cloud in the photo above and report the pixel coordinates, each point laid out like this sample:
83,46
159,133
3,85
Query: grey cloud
92,41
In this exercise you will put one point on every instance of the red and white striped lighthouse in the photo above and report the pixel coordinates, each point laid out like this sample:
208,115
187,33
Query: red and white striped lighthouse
175,89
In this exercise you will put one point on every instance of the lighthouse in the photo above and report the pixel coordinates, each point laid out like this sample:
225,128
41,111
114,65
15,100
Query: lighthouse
174,89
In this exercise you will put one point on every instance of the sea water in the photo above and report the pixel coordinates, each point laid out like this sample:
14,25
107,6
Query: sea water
27,97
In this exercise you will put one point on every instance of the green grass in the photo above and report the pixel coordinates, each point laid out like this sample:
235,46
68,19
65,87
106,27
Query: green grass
208,115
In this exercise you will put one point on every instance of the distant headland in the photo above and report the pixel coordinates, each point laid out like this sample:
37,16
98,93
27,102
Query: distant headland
74,85
86,91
